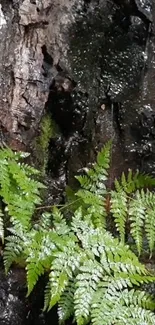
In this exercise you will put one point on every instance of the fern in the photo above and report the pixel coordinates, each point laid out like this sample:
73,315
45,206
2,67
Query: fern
137,216
59,223
119,211
81,262
93,276
66,302
19,191
47,296
132,203
45,222
149,199
93,186
14,249
127,307
39,258
132,182
87,280
64,265
1,227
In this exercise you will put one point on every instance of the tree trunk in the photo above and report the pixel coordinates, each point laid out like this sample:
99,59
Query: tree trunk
29,30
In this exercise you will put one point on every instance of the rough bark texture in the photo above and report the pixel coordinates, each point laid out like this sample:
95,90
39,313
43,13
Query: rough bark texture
27,29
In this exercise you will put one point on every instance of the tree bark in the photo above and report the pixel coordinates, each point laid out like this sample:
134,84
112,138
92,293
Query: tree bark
29,29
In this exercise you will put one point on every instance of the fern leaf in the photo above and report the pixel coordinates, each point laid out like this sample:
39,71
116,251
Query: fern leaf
59,222
92,275
119,211
18,190
29,170
104,308
95,179
98,241
93,187
34,271
137,217
66,302
121,307
149,199
13,249
137,315
1,227
132,182
39,257
45,222
96,207
137,298
143,180
150,228
86,284
47,296
58,283
103,157
65,263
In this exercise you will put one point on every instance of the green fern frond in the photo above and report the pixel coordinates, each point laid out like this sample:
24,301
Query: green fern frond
1,227
38,250
45,222
47,296
137,298
132,182
34,271
34,267
138,208
87,280
14,248
58,283
143,180
18,189
93,186
63,266
29,170
98,241
59,222
137,217
55,243
149,200
4,180
122,307
150,228
119,209
66,302
103,157
96,207
7,153
81,226
95,179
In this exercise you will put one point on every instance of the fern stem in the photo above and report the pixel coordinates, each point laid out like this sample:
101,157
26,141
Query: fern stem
48,206
62,206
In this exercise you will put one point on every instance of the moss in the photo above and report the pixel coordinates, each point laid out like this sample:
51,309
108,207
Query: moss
48,130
